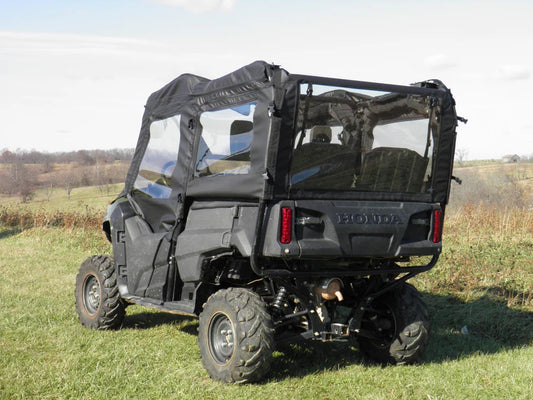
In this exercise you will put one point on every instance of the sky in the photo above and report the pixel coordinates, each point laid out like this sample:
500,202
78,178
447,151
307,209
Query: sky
76,74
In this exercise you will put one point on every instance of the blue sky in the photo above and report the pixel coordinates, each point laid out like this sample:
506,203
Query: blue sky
76,74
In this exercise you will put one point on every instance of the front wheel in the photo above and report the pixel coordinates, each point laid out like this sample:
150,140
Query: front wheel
397,327
98,301
236,336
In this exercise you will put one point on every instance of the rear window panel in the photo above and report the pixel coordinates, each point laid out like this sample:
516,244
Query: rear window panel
362,140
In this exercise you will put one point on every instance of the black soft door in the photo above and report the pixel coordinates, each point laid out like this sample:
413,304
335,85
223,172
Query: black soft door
156,200
146,258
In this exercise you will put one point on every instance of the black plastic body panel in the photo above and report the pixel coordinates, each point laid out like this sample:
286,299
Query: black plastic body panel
118,212
213,228
352,229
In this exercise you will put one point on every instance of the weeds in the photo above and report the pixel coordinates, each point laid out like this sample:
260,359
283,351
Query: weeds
487,251
478,221
29,218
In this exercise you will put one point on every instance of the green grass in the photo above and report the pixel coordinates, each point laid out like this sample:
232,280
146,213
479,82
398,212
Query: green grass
45,353
83,198
85,208
483,281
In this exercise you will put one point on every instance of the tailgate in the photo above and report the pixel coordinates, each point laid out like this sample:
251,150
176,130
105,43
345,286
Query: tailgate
353,229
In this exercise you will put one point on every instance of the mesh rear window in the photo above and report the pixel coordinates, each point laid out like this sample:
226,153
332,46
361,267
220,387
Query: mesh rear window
361,140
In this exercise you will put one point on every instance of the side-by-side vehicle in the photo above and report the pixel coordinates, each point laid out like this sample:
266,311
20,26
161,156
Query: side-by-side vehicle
279,207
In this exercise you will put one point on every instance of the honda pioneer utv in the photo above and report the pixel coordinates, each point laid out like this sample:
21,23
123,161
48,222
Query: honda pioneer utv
279,207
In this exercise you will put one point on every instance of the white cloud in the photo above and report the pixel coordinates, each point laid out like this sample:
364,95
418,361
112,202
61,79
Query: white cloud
513,72
17,43
200,6
439,62
498,73
64,92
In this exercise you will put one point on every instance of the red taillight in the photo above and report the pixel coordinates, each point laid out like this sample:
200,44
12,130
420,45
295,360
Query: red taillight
437,226
285,235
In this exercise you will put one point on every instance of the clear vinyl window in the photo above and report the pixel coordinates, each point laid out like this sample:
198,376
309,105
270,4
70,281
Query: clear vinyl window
361,140
224,147
155,172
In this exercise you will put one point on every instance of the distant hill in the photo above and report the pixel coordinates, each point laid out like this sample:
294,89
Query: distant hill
493,183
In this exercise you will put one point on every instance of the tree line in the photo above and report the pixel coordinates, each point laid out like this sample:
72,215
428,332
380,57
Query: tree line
84,157
24,172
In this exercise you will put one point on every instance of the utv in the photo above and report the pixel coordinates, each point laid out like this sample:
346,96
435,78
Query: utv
279,207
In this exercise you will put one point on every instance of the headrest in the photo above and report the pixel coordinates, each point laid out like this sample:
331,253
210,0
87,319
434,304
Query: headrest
320,134
240,126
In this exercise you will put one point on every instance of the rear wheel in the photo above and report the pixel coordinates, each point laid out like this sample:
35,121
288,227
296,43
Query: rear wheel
98,301
398,322
236,336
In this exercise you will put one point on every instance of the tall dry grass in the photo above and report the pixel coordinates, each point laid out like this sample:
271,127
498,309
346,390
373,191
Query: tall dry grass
502,186
14,217
487,251
473,221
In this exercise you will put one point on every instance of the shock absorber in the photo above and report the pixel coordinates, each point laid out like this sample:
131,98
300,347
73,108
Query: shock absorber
280,298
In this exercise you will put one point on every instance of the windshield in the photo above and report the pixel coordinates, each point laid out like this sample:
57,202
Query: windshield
361,140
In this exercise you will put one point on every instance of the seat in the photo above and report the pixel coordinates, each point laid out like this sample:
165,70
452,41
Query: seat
389,169
322,165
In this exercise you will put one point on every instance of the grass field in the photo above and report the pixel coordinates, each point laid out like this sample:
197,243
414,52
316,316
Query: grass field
46,353
483,281
92,197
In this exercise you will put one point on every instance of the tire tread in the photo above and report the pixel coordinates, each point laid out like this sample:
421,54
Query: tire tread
254,336
111,311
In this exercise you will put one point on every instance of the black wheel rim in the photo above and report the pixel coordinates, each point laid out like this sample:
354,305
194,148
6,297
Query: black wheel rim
91,294
221,338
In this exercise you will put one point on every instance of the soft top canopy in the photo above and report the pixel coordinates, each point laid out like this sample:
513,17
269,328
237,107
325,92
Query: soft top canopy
167,100
171,98
275,97
181,102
